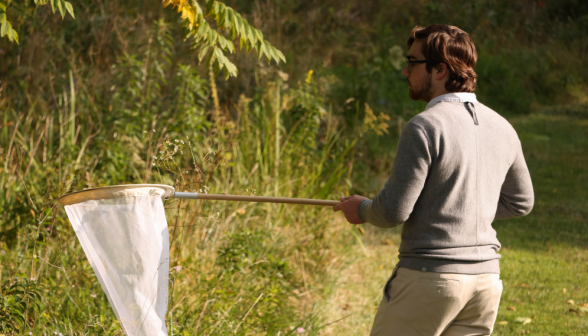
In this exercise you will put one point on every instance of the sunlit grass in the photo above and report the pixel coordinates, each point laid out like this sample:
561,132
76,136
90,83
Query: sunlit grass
544,255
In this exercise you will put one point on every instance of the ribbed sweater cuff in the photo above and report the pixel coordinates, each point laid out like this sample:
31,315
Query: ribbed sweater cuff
360,207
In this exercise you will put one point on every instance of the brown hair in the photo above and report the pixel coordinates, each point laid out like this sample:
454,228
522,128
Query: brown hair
452,46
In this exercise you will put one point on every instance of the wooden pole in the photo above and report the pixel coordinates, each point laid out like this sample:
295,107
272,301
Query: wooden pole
261,199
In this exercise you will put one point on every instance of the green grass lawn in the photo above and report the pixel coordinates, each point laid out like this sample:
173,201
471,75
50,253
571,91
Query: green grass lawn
544,255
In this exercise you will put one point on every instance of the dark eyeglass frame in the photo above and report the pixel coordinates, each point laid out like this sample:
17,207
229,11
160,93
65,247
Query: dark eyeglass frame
410,62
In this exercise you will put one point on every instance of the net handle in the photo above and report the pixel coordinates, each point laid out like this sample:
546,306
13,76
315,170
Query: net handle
261,199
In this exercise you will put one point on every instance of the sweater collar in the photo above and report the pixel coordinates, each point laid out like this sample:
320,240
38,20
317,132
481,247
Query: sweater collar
458,97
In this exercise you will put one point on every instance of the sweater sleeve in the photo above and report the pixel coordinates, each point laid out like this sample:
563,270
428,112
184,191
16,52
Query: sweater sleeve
394,204
516,195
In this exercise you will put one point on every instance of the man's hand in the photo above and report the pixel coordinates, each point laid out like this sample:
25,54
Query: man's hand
349,206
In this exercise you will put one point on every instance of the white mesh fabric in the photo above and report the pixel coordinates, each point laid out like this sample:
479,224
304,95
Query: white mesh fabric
127,243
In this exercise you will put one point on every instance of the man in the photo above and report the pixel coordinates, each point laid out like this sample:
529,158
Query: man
459,166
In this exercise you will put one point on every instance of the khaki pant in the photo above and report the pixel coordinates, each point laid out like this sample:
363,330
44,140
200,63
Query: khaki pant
433,304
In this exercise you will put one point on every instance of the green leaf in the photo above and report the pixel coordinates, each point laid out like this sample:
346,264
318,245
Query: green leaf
225,44
5,28
266,50
244,25
208,7
212,36
211,58
253,37
269,51
281,55
202,53
259,47
226,19
225,63
233,33
259,34
221,42
242,43
235,26
230,19
231,46
2,6
202,29
69,8
276,54
53,5
61,9
13,35
2,17
198,8
218,11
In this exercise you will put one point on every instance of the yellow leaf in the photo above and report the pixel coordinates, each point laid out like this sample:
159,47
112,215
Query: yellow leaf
523,320
189,13
175,3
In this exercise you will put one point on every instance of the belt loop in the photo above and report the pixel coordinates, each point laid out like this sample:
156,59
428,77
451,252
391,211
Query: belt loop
472,111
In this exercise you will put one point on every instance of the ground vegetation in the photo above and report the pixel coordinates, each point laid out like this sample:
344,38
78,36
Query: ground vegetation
119,94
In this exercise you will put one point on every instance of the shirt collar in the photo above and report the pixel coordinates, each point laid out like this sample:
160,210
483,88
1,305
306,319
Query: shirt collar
458,97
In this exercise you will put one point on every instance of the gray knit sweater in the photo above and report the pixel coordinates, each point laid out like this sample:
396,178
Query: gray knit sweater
456,170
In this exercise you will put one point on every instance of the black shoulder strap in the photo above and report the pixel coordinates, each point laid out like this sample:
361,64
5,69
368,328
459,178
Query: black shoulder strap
472,111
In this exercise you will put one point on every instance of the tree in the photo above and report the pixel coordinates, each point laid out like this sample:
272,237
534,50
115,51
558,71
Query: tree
211,42
6,27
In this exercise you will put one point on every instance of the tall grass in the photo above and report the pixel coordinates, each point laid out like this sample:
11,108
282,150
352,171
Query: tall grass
236,268
114,97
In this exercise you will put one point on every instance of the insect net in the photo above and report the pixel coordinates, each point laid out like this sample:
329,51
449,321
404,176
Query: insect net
123,231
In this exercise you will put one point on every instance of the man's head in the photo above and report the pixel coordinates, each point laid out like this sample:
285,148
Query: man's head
450,57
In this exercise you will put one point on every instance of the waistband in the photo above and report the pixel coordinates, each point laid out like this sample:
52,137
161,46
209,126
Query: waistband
451,266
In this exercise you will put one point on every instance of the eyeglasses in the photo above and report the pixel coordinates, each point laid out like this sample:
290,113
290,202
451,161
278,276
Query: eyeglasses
410,62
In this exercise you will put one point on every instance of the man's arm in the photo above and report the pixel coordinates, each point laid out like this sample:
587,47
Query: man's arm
516,196
394,204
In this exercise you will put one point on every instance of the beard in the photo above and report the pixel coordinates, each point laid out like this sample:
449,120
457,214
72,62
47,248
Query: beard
423,91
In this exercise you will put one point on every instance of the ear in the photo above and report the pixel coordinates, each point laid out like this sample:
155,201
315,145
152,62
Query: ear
441,71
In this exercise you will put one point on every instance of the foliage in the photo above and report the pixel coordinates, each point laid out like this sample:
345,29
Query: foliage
151,124
18,299
114,97
6,27
62,5
377,124
211,42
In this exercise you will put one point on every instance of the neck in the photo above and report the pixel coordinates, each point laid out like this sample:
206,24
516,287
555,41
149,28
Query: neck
436,93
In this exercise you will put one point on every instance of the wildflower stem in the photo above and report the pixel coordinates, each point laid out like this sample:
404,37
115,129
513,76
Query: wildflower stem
277,163
248,312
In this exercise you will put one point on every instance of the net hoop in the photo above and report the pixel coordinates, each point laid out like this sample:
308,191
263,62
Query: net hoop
117,191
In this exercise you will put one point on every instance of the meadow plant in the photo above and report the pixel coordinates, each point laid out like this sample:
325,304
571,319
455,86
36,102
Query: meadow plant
236,268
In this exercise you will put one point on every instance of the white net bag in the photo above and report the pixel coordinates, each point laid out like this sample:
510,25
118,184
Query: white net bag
123,231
